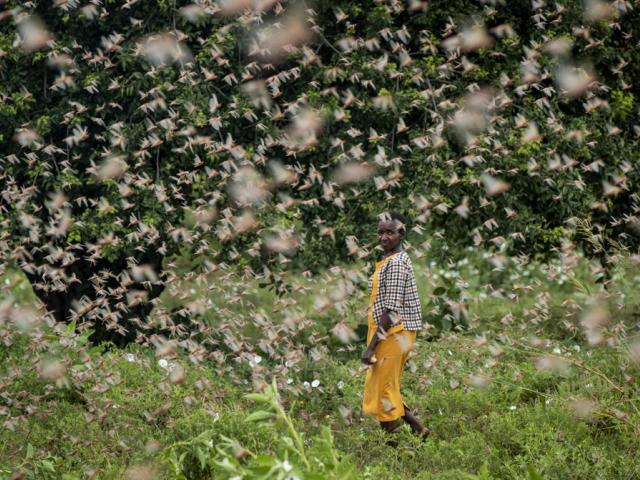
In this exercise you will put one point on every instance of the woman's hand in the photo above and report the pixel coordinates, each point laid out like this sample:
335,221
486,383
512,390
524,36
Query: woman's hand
367,357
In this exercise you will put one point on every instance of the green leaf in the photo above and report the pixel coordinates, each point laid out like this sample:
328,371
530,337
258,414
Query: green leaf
227,465
532,474
257,397
202,457
70,328
484,472
48,466
438,291
259,416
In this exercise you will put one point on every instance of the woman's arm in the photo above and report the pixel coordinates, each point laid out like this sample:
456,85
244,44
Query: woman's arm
385,324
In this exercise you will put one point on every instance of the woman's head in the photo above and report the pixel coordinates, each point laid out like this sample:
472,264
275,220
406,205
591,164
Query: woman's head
392,230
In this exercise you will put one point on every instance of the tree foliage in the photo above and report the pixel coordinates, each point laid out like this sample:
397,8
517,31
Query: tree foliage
271,136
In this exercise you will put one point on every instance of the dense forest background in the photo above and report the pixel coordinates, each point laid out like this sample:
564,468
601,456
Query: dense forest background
134,131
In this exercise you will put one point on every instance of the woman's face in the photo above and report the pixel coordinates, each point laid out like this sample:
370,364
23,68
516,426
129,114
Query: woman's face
389,235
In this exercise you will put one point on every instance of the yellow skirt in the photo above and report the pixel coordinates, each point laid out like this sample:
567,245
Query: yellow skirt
382,397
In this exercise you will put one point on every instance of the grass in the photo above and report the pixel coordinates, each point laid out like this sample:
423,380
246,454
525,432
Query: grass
496,409
520,420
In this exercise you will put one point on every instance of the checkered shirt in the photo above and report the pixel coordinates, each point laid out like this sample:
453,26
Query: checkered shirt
397,291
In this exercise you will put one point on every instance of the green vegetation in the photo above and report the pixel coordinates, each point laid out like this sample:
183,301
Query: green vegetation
522,393
188,191
131,137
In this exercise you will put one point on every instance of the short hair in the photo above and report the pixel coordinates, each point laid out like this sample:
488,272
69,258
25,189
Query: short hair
404,221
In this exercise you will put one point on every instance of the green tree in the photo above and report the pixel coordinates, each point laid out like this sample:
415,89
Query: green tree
133,132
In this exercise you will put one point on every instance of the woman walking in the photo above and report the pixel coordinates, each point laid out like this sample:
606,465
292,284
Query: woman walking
394,317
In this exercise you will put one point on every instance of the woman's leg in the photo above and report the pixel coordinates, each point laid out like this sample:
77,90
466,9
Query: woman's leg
414,423
390,427
406,344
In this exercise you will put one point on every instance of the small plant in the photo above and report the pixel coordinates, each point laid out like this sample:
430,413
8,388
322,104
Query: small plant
190,458
201,457
32,468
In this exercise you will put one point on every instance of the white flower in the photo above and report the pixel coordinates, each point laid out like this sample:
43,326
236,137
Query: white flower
512,407
289,381
130,357
286,466
305,383
163,363
315,383
340,384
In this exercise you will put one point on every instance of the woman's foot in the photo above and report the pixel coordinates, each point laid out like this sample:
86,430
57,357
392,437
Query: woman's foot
423,433
416,426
